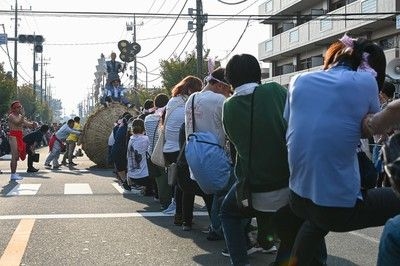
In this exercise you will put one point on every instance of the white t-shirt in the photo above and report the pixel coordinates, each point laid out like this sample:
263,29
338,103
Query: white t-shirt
175,116
208,114
136,156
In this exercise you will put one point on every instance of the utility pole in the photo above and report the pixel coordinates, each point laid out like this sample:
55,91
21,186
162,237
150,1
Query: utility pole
134,48
34,67
15,42
200,22
41,78
135,60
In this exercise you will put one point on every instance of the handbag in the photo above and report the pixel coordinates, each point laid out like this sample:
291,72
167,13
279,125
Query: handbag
243,191
172,169
36,157
157,157
154,170
207,160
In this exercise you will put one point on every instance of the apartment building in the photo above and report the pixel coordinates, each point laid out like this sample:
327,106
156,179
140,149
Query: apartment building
301,31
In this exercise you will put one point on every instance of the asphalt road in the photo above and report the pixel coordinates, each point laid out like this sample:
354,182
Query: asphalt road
80,216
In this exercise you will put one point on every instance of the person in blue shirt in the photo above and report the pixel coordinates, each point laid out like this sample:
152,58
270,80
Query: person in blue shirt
56,143
114,92
324,111
31,140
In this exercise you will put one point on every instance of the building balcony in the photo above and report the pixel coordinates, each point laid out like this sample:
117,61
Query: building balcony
284,79
327,28
283,7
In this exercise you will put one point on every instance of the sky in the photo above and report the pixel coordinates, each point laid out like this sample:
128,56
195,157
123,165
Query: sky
73,44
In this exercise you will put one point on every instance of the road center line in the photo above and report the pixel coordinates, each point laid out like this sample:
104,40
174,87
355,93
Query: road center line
17,245
93,215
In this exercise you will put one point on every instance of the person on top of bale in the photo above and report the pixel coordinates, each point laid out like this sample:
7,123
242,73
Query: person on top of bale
114,92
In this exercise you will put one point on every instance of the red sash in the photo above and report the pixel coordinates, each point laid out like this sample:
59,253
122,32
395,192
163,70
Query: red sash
20,143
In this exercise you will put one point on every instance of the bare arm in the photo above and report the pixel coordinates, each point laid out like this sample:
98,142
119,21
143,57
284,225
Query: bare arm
382,121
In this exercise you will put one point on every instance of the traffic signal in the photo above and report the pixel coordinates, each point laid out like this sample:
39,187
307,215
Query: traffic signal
24,38
38,48
37,40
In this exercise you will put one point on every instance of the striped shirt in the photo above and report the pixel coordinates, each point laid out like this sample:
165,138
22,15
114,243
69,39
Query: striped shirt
151,127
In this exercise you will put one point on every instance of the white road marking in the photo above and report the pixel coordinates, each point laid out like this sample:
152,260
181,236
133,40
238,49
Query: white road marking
24,190
77,189
372,239
124,191
93,215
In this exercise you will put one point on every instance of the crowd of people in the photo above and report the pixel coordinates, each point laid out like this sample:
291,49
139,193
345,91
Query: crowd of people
21,137
292,153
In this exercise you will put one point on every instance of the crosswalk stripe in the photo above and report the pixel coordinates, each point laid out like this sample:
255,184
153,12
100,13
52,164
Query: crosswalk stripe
24,190
77,189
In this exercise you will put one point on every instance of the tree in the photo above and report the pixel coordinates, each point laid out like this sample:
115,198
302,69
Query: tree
175,69
7,90
25,96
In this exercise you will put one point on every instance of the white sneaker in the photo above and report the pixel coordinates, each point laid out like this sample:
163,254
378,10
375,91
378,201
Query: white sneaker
271,250
16,177
171,208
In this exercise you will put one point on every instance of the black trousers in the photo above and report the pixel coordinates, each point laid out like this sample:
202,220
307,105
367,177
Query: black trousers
30,154
377,206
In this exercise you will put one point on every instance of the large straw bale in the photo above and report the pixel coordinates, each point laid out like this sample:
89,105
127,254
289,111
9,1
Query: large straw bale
97,129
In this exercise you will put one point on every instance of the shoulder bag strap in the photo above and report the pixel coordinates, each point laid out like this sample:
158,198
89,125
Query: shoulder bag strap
154,135
193,112
247,180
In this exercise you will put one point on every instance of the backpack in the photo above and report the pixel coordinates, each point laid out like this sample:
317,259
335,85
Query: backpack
208,162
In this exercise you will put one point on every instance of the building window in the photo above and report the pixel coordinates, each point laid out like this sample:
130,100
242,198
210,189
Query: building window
268,46
305,63
368,6
325,24
268,6
294,36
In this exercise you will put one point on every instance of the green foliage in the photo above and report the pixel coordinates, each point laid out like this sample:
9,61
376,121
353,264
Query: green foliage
7,91
176,69
26,96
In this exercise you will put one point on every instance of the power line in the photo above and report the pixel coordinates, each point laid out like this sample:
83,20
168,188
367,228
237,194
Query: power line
240,38
19,74
124,15
167,32
227,3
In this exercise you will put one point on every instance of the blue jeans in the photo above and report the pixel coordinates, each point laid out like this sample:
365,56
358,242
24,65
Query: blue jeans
389,246
234,229
216,206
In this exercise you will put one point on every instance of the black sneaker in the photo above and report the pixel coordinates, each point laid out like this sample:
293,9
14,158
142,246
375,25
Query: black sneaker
250,250
126,186
32,170
213,236
72,163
